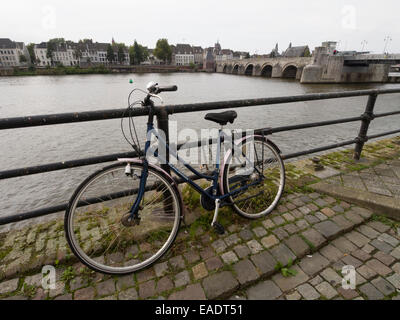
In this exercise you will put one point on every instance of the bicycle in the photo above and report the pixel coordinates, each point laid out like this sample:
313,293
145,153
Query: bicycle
125,217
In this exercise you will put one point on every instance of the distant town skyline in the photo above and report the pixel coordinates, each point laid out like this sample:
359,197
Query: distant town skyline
254,26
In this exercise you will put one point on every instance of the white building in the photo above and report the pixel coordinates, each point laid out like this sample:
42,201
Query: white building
63,55
224,55
13,54
183,55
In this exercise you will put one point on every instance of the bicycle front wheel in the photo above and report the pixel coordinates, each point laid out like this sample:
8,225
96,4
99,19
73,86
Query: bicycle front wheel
98,229
257,173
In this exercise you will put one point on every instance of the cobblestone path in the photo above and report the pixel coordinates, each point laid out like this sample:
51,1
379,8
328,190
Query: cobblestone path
319,233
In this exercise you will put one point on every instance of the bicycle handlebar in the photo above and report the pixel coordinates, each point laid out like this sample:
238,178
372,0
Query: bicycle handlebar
166,89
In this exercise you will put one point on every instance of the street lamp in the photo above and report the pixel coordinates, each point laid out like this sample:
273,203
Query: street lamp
387,40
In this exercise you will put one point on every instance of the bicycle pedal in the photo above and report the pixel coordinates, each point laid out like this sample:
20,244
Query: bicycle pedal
219,228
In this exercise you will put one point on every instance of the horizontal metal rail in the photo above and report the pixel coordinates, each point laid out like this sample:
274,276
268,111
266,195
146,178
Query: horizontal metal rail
162,117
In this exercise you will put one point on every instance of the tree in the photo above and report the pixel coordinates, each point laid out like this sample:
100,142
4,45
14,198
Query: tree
121,53
110,54
31,50
22,58
137,54
163,50
51,47
78,53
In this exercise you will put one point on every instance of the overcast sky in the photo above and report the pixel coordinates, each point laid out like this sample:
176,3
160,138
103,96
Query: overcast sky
251,25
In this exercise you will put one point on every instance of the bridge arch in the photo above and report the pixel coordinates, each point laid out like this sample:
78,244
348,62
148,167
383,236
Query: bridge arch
290,71
249,69
266,71
225,69
235,69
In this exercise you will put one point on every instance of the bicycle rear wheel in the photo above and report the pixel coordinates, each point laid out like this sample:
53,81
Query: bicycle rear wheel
257,169
97,227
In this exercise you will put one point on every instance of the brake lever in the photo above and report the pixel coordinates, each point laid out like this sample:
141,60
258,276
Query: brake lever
157,96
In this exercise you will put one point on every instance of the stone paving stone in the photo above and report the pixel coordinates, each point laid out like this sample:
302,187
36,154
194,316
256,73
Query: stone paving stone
314,264
191,292
164,284
232,240
242,251
371,292
246,234
278,221
297,245
161,269
147,289
396,253
344,245
378,267
219,245
357,238
9,286
245,271
35,280
331,276
282,209
229,257
289,283
338,209
363,212
266,290
291,228
297,214
315,281
191,257
344,224
105,288
311,219
366,272
379,226
293,296
348,294
280,233
290,206
177,263
312,207
182,278
351,261
302,224
396,268
360,279
381,245
328,212
314,195
269,241
368,231
320,216
321,202
394,280
361,255
130,294
259,232
326,290
385,258
268,224
207,253
254,246
328,229
220,285
315,238
368,248
288,217
125,282
265,263
354,217
389,239
297,202
84,294
214,263
283,254
383,286
308,292
200,271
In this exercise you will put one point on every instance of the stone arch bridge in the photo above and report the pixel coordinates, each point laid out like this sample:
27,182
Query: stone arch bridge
266,67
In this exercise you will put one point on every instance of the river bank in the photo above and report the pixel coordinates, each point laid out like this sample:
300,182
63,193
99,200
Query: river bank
62,70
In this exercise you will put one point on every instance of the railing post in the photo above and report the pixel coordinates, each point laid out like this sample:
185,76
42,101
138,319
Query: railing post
162,124
368,116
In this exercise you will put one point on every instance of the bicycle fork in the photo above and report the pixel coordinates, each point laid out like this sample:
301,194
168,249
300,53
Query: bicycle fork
217,226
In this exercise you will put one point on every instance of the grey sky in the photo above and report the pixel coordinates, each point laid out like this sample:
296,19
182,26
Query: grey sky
251,25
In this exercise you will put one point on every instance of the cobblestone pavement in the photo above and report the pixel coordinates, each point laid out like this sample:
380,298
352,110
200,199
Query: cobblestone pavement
383,179
243,262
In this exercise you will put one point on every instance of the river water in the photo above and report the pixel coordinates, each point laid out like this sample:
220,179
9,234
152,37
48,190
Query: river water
22,96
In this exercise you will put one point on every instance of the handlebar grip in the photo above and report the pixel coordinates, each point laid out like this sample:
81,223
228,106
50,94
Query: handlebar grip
167,89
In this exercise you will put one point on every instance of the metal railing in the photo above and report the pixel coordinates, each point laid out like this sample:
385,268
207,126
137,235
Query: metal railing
162,119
